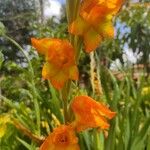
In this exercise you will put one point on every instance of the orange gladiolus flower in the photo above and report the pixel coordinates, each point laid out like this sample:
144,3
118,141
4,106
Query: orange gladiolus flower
90,114
62,138
60,60
95,21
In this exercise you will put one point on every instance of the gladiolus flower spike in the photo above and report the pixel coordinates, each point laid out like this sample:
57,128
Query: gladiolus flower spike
60,60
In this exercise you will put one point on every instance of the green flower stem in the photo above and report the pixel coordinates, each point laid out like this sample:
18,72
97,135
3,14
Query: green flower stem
97,142
65,107
35,94
78,46
72,12
72,9
65,96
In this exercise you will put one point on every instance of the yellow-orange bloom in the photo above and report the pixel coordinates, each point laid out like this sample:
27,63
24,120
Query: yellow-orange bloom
90,114
60,60
94,22
62,138
106,7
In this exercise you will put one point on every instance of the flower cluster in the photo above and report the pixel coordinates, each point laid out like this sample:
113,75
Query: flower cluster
60,60
93,23
88,114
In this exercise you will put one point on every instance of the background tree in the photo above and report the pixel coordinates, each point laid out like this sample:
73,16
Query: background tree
18,17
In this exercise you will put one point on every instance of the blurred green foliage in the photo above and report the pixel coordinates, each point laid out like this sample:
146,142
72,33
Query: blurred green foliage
137,19
21,95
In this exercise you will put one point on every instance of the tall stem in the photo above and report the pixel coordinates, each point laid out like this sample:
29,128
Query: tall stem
97,144
72,7
35,95
65,96
72,11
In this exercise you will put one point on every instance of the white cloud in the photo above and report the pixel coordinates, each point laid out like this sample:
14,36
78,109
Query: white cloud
52,8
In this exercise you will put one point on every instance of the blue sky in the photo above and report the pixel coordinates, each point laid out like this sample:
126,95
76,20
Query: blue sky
52,8
61,1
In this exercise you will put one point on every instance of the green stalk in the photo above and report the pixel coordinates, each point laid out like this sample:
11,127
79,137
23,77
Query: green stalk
65,107
72,8
65,96
35,95
97,143
72,11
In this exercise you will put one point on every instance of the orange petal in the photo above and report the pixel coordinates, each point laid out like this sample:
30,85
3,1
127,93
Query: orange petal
114,4
62,138
49,70
59,79
95,11
91,119
104,111
101,121
90,114
91,40
73,147
107,29
42,45
47,143
96,14
56,76
87,5
61,54
73,72
78,27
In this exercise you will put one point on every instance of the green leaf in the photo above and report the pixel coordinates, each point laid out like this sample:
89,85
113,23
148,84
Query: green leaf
55,104
139,140
116,93
28,146
24,143
87,139
1,58
98,142
2,29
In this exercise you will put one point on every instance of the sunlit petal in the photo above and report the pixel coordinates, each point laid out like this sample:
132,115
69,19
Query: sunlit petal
62,138
60,63
90,114
91,40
